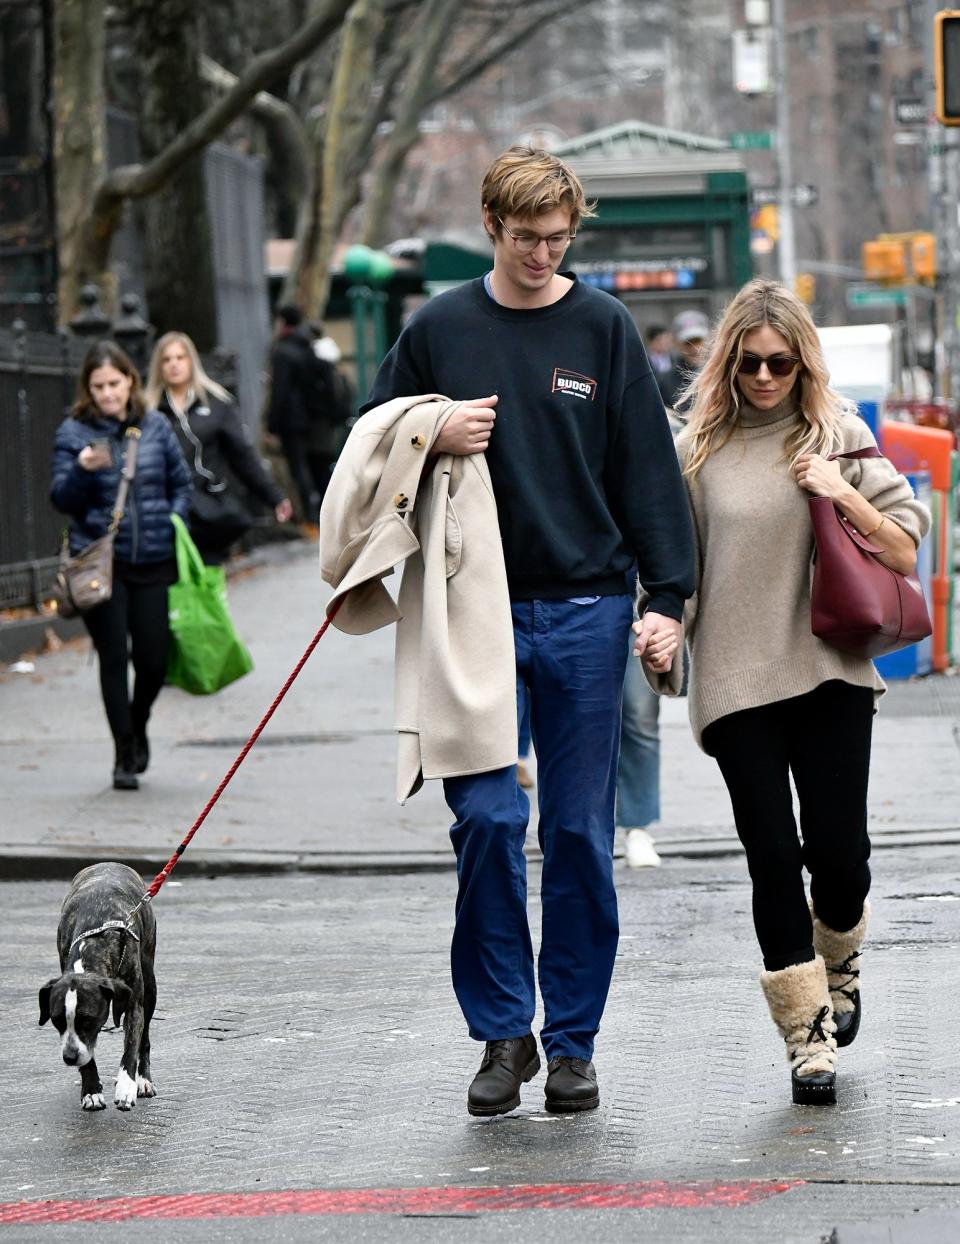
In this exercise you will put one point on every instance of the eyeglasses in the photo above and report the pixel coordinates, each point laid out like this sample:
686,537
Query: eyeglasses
526,243
777,364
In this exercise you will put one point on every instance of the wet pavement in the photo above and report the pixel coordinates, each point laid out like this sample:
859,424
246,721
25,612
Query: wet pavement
307,1040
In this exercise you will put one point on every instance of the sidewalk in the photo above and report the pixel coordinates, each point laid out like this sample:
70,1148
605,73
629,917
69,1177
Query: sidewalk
317,791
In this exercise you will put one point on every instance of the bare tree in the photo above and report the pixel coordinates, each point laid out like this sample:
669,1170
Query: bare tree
96,197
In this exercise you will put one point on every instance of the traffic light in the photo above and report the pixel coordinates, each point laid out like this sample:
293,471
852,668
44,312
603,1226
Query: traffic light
923,258
805,287
884,260
946,58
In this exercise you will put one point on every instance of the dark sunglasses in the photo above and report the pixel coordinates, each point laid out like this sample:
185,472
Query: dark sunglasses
777,364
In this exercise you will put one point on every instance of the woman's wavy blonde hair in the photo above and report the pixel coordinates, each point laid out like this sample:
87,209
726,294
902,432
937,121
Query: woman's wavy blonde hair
714,398
200,382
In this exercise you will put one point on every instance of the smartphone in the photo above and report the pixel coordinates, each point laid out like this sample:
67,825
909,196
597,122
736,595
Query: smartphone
104,452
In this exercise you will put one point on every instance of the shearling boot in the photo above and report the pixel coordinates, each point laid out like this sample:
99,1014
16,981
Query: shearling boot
841,954
799,1002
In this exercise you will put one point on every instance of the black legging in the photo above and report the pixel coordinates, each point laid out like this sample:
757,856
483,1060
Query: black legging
309,470
823,739
139,611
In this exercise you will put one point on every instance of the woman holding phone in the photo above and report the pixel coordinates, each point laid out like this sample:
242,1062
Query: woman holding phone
88,456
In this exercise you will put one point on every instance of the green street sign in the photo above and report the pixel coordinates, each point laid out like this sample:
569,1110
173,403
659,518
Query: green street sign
751,140
875,296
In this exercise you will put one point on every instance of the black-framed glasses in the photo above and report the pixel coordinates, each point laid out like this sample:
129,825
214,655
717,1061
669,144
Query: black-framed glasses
777,364
527,243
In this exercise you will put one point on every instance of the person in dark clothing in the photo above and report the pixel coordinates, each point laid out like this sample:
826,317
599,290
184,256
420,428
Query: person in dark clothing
301,386
88,456
690,330
214,443
588,492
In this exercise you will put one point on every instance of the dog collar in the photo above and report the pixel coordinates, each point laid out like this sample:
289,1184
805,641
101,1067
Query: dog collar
105,928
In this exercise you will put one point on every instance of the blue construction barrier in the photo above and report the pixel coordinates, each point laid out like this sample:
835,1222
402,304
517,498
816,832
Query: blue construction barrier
918,658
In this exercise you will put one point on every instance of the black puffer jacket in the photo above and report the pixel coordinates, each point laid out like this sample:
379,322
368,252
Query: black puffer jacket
161,486
214,441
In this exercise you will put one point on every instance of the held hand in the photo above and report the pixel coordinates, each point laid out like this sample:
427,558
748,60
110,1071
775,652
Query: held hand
658,641
820,477
284,510
468,429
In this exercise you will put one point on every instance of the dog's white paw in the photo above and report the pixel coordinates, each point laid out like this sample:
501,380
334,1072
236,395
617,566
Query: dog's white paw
125,1094
145,1088
93,1101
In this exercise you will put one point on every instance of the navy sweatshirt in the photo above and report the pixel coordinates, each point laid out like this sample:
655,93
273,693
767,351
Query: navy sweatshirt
581,456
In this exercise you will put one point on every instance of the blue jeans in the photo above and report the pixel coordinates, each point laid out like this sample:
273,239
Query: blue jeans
638,775
571,657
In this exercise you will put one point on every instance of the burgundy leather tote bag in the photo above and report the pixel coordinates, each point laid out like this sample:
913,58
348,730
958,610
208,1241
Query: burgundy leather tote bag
858,604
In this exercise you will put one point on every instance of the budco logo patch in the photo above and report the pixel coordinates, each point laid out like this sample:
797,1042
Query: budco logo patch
574,383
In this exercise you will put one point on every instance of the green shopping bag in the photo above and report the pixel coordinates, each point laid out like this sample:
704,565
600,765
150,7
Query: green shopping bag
205,651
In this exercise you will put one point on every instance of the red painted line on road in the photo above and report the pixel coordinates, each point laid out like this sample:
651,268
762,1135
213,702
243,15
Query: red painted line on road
654,1194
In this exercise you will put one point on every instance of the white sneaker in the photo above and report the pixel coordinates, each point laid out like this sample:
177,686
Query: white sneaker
640,851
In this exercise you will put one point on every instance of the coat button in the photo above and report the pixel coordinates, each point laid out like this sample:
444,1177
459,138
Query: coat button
418,441
401,501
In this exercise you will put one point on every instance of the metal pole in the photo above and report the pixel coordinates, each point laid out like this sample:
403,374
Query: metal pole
359,296
951,263
786,246
935,175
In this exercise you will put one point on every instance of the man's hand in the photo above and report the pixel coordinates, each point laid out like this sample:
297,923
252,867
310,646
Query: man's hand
468,429
658,641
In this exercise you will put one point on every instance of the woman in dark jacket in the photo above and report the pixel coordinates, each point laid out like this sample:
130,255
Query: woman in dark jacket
88,456
214,443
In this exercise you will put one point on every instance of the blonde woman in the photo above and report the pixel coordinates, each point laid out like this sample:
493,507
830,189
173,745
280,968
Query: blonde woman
214,443
767,699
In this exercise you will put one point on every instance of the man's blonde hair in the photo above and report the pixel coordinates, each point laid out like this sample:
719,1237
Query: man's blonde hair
527,182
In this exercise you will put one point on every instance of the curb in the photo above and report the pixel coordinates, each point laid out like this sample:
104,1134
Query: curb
38,863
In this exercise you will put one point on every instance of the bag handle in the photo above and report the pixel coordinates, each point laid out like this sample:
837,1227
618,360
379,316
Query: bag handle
869,451
189,562
126,475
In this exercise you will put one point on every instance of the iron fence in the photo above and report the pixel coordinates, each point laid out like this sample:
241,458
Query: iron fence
37,376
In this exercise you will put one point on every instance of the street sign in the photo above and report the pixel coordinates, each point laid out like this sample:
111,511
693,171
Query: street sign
910,110
875,296
801,195
804,195
751,140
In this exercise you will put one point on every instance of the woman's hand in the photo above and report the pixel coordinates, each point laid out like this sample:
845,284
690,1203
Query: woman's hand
657,642
820,477
94,457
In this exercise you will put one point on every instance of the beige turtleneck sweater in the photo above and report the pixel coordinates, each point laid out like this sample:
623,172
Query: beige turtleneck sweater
748,627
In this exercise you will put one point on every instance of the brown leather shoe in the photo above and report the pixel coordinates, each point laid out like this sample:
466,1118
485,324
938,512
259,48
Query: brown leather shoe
571,1085
506,1065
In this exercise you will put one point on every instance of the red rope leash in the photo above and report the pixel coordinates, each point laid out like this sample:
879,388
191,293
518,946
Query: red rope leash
171,864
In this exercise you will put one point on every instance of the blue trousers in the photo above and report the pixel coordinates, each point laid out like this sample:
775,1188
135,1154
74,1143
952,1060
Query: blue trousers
638,776
571,657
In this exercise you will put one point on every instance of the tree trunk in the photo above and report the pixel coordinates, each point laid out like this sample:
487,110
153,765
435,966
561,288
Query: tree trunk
438,17
80,146
95,201
330,200
179,274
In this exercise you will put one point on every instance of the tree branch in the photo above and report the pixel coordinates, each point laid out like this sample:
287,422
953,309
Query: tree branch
277,115
137,180
496,50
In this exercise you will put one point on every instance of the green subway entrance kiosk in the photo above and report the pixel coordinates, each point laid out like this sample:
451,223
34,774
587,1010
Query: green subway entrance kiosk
672,230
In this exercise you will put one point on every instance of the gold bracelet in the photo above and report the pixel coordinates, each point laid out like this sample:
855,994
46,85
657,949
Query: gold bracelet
873,530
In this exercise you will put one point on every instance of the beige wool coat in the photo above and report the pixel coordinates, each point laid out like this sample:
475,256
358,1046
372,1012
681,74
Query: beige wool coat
386,506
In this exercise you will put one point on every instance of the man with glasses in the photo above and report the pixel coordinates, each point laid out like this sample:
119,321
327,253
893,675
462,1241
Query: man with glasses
589,495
